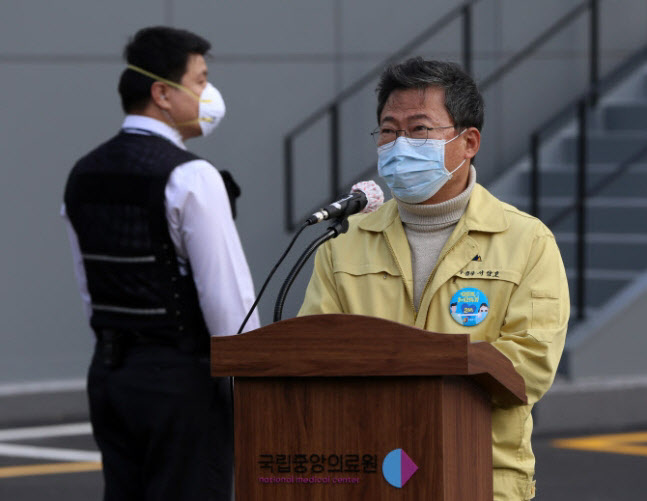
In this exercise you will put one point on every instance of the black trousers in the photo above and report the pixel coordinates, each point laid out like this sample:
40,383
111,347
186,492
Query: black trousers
163,425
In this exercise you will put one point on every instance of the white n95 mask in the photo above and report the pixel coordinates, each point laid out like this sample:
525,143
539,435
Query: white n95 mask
211,104
212,109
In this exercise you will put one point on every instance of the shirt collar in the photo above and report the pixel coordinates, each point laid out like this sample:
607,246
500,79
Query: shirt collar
139,124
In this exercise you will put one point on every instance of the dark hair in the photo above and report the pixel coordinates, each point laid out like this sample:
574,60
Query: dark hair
160,50
463,100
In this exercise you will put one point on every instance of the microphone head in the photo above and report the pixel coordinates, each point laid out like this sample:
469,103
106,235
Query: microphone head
373,192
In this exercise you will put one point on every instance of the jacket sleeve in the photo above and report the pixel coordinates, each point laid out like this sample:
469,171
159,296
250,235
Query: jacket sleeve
533,333
321,294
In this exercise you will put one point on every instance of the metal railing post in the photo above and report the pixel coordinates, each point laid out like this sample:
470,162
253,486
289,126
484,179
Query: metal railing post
594,50
467,39
334,152
463,10
534,174
289,183
580,205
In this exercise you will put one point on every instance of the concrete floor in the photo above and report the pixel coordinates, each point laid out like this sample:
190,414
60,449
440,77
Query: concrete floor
562,474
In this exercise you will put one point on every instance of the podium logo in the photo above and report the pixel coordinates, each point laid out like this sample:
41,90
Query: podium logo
398,468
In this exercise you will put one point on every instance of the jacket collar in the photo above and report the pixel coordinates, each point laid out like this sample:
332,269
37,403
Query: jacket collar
484,213
381,218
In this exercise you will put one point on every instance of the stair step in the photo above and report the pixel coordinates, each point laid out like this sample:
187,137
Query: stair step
601,285
606,146
625,116
604,238
603,214
629,253
559,202
592,167
603,219
632,183
603,274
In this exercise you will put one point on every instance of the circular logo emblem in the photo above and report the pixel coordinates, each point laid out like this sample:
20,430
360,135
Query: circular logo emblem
398,468
469,306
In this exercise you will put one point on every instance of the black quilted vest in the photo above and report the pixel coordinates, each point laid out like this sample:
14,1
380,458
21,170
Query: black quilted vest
114,199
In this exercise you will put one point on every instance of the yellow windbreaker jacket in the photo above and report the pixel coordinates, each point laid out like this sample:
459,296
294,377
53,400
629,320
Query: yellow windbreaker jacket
510,256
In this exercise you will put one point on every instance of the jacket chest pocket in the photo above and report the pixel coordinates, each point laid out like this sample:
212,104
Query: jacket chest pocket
375,289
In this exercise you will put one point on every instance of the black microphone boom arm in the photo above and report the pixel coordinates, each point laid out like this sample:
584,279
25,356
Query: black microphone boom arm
338,227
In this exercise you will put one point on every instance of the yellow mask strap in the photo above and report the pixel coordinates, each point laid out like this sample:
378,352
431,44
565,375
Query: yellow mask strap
160,79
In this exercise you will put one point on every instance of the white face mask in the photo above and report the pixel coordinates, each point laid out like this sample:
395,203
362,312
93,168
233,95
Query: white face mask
212,109
211,104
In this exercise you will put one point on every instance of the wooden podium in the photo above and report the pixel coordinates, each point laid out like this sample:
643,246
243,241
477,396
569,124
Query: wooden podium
335,407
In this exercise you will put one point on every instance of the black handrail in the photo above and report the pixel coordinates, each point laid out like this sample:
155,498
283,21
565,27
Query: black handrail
582,107
332,107
378,69
602,183
535,44
591,96
467,38
463,11
580,204
581,104
594,49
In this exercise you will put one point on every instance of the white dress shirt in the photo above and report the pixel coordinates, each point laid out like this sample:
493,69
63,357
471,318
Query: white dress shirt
204,234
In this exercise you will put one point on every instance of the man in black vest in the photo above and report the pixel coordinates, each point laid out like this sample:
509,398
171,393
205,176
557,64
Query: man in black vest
161,268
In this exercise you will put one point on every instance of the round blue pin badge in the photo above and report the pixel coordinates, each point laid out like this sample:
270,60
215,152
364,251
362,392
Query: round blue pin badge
469,306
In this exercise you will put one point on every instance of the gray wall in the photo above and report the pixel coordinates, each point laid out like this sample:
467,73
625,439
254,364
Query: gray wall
275,62
613,343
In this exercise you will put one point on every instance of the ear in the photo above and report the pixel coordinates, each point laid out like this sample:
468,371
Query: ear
159,95
472,142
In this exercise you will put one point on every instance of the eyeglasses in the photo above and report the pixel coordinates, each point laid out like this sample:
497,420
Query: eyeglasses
386,135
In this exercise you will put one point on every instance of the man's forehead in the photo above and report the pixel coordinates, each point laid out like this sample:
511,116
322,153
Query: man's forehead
407,97
426,100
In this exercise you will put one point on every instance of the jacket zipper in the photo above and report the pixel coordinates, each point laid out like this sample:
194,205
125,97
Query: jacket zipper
433,273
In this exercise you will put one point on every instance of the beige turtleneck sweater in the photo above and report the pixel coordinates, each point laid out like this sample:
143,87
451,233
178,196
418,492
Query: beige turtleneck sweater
428,227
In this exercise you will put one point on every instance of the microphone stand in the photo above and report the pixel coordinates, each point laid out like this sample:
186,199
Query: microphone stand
271,274
338,227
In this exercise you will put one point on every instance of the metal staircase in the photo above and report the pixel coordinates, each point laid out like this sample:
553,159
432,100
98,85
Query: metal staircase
598,213
586,171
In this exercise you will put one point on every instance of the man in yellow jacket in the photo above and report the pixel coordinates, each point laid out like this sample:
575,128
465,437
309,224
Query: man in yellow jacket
447,256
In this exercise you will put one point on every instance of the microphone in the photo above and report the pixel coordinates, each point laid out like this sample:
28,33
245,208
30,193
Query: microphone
374,194
365,196
373,198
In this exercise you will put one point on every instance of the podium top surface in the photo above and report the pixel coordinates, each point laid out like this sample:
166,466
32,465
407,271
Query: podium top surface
359,346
